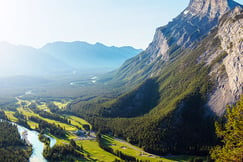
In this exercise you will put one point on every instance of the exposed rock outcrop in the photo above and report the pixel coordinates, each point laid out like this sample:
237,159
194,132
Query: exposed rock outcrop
191,25
230,85
159,47
209,8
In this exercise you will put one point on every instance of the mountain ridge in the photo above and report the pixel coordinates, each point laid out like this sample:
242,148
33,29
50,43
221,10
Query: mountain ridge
181,33
95,55
27,60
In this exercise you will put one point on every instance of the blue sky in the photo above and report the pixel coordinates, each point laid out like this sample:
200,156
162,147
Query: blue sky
112,22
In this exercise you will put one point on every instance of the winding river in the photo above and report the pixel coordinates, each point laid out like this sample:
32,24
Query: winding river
36,144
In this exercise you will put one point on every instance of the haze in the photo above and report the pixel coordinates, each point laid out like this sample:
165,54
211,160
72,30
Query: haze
120,22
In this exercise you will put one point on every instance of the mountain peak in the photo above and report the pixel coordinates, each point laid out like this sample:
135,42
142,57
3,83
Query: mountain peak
209,8
192,25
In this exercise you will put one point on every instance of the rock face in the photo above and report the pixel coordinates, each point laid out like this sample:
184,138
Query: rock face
183,31
210,8
159,47
230,85
193,23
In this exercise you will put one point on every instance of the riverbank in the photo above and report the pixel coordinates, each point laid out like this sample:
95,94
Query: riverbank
32,137
12,147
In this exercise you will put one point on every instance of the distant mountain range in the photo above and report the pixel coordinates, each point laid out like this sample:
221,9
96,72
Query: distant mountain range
82,55
61,57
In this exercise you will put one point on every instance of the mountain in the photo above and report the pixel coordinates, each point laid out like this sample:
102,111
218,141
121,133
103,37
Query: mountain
176,88
82,55
24,60
61,58
182,32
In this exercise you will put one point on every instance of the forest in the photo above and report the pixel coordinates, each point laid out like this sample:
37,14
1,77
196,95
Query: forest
12,147
65,152
46,127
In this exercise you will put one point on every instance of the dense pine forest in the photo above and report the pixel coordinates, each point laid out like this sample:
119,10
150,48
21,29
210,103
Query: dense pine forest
12,147
230,131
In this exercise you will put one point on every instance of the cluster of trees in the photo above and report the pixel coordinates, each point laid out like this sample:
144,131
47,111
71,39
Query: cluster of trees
44,139
10,105
33,107
3,115
65,152
230,130
48,127
12,148
22,120
9,135
54,108
53,116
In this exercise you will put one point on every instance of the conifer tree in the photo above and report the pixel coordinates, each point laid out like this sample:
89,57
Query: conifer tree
232,135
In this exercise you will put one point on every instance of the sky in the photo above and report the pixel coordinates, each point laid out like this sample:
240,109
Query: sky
111,22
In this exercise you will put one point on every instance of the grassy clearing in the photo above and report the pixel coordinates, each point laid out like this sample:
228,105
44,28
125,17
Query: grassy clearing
27,112
131,150
43,107
10,115
32,124
79,122
66,127
25,102
60,141
95,152
61,105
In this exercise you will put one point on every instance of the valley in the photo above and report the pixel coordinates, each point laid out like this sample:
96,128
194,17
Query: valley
180,99
76,129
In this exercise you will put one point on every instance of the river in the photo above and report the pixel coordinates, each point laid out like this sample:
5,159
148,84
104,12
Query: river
37,146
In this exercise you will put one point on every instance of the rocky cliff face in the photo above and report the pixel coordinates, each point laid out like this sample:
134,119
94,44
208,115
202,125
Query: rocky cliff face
209,8
193,23
230,82
188,28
